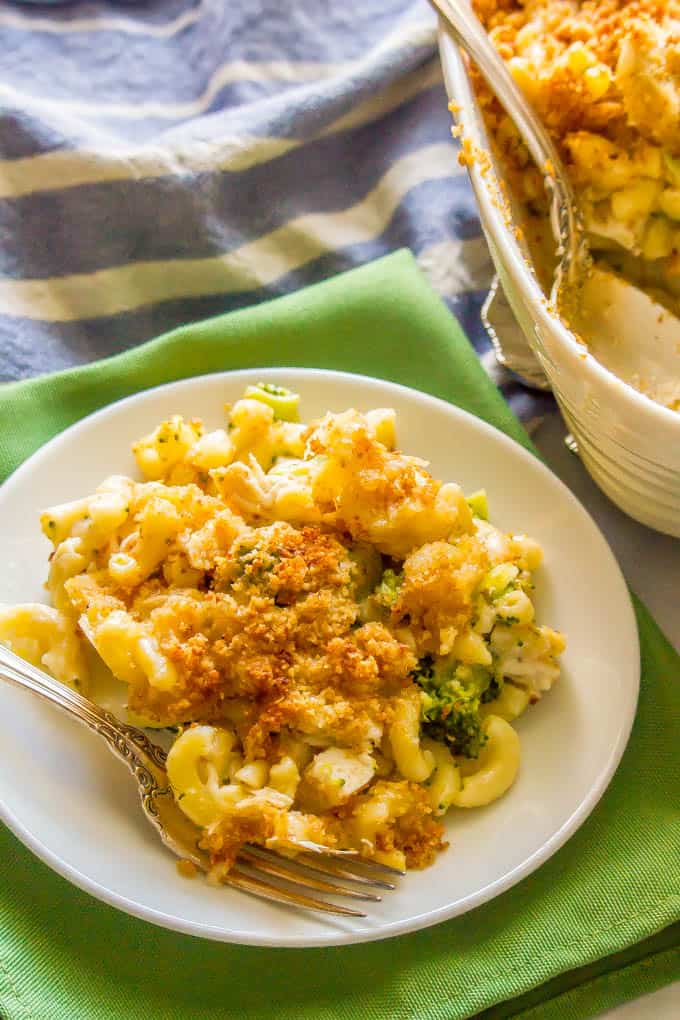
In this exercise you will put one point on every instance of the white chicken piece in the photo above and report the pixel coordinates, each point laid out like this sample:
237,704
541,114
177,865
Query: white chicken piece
333,777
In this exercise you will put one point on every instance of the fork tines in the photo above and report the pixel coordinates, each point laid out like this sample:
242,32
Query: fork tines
301,873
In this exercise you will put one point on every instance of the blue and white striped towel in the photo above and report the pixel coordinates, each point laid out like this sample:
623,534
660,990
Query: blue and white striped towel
173,159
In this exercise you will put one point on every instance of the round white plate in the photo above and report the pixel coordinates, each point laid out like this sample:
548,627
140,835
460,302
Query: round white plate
73,805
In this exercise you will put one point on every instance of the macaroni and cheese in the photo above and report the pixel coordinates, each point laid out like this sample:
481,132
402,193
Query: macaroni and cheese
339,641
604,76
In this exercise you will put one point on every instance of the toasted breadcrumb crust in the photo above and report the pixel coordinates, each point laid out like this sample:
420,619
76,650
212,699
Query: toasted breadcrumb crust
544,30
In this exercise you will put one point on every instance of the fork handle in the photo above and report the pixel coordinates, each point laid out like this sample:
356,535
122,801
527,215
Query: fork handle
144,758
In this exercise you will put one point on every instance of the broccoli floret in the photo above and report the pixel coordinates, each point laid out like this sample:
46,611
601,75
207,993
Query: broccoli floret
451,698
273,390
493,690
282,401
479,504
387,592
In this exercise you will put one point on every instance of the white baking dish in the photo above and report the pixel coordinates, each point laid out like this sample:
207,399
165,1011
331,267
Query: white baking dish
629,444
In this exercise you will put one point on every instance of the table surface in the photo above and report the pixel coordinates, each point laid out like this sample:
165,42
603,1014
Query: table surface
661,1005
651,564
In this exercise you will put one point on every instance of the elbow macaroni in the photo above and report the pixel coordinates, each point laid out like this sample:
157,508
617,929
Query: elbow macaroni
498,769
445,781
609,92
198,765
325,622
47,639
411,760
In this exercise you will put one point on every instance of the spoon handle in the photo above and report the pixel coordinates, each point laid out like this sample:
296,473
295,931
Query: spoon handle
468,33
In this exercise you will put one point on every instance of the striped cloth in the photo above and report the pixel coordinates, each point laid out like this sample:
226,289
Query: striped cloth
166,161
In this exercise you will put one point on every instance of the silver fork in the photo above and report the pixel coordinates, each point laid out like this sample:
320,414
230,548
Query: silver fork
314,868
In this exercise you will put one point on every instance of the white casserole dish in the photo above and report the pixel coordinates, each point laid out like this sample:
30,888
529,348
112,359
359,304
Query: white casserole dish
628,443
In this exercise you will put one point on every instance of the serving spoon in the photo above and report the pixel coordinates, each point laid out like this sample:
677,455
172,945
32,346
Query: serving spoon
573,253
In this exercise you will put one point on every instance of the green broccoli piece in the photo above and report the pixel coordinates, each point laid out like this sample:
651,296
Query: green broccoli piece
493,690
282,401
387,592
451,698
479,504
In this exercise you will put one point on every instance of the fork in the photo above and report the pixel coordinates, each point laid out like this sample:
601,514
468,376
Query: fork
314,869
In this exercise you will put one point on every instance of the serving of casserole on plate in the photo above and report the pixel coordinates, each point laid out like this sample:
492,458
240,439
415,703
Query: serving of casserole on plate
340,640
341,645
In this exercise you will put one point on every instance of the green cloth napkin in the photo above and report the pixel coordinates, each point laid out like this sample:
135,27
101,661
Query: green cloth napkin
593,926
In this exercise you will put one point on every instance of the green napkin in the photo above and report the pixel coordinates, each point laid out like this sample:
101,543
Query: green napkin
593,926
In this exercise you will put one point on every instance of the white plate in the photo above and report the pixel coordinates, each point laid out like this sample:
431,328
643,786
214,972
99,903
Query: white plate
72,804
